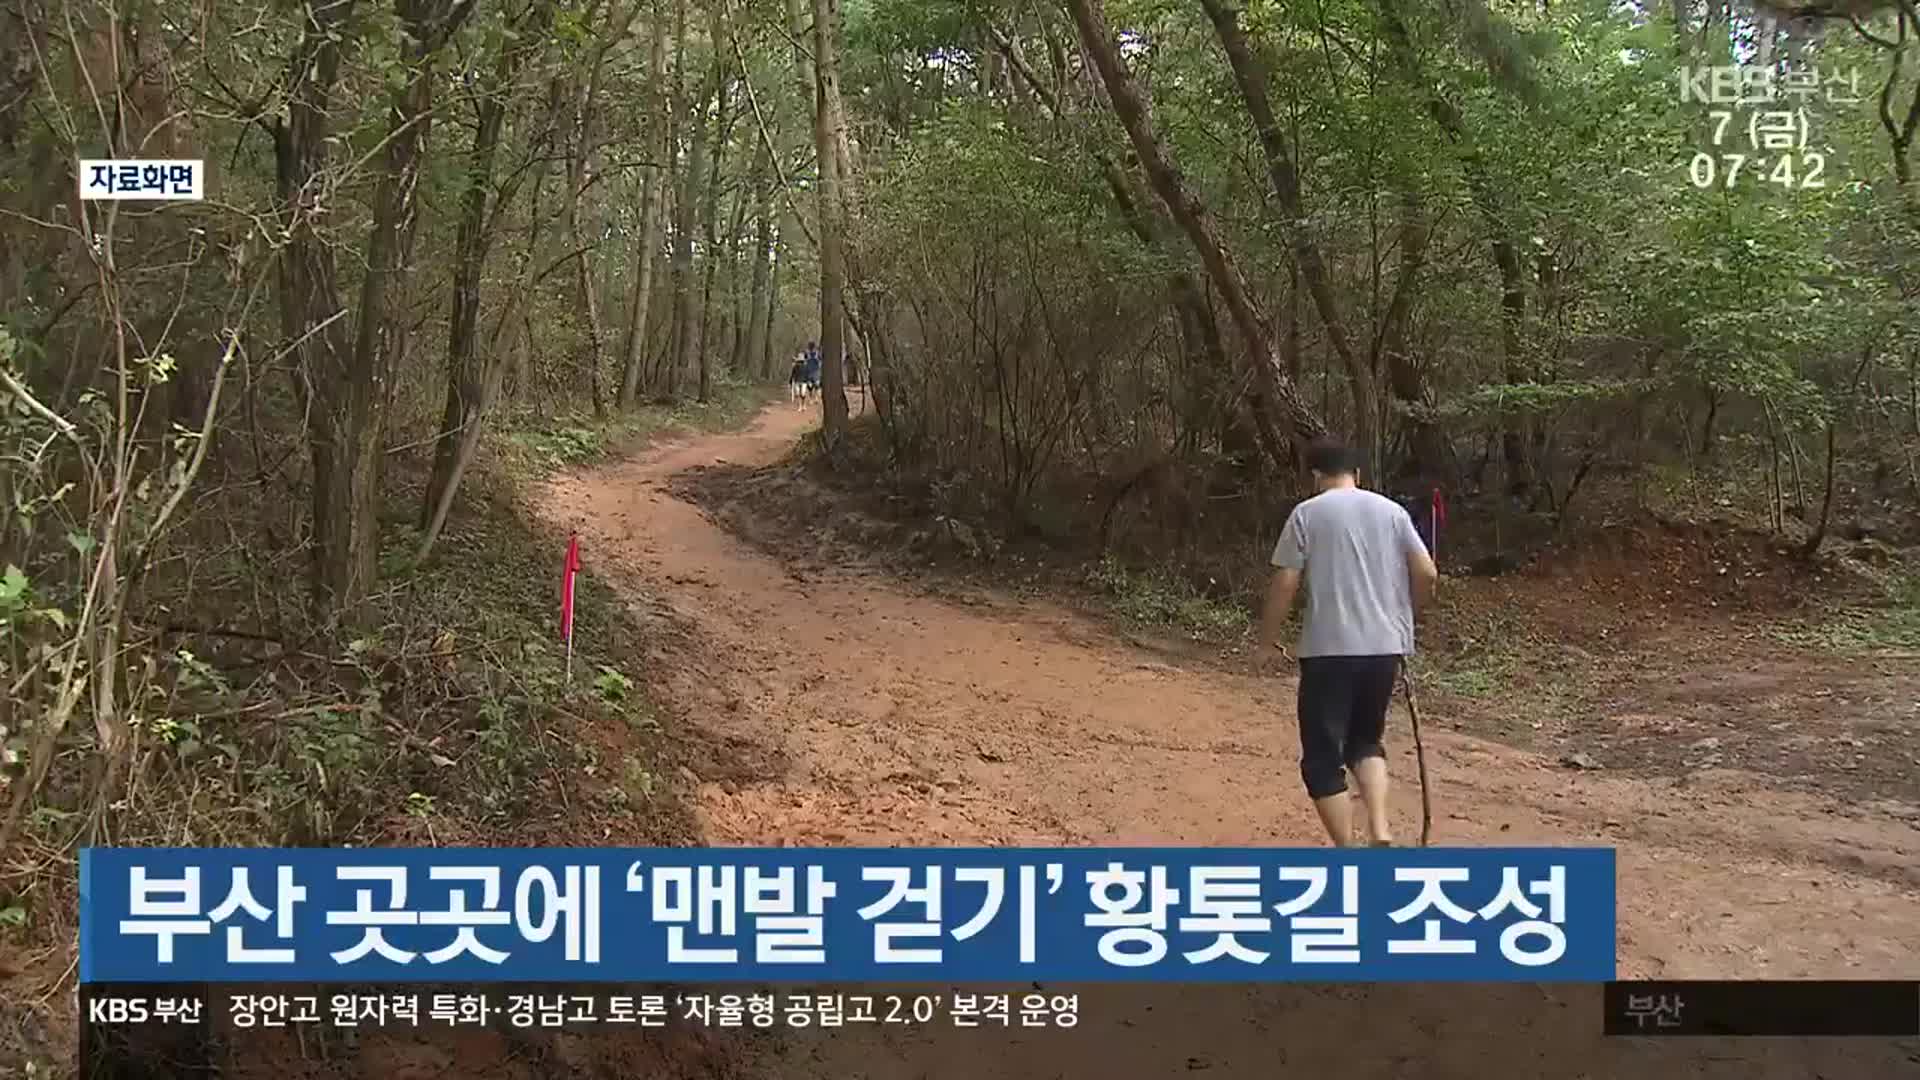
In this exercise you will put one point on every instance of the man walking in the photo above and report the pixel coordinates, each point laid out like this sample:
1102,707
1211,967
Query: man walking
1366,571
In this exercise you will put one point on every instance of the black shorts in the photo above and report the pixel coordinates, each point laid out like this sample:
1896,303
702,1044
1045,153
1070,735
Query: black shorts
1343,716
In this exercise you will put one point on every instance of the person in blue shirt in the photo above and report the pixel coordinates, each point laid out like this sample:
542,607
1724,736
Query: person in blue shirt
797,379
813,366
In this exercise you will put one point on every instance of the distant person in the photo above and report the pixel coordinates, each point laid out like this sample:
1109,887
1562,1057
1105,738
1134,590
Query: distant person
813,367
1366,572
797,379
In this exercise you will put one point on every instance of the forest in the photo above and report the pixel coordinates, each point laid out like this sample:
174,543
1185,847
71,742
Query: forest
1099,269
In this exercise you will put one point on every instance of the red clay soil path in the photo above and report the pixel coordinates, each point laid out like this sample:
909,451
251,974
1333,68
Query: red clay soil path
904,719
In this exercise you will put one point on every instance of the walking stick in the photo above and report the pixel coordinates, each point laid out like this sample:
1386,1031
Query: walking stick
1419,755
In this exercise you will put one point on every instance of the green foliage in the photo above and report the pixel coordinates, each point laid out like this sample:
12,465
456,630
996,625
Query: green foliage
197,674
578,440
1158,599
640,715
1519,399
1470,682
612,686
567,446
1890,622
637,782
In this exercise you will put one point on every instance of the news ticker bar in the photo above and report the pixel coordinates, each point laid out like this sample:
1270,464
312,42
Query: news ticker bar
1776,1008
248,1006
1792,1009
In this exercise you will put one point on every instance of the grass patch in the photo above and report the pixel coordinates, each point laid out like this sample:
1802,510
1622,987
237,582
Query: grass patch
1887,622
575,439
1475,648
641,716
636,781
1470,682
1162,600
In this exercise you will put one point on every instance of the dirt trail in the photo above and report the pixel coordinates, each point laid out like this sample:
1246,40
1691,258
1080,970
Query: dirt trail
851,710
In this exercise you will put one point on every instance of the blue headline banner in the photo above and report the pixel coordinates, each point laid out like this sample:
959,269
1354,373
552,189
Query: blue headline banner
846,914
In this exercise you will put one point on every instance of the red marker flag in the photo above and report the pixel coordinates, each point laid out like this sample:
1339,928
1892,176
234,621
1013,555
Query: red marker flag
1439,519
566,597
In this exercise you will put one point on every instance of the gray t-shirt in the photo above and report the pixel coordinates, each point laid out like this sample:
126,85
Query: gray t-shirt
1353,545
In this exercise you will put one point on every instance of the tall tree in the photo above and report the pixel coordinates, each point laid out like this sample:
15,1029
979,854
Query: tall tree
1250,76
580,176
22,37
775,264
693,122
829,143
474,378
1504,246
515,316
427,25
1427,445
339,396
1130,105
750,208
1146,218
723,129
653,186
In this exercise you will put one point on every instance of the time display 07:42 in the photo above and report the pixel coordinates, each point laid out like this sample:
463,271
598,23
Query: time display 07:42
1788,170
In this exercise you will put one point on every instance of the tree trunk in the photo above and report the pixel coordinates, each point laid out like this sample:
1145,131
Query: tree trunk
746,351
640,304
23,36
428,24
473,379
829,148
1427,447
659,377
586,296
711,258
692,122
1513,316
1251,77
799,14
314,327
1812,545
513,312
1901,128
1146,218
1506,258
774,266
580,148
1426,442
1130,104
796,141
1708,438
1776,503
734,295
581,177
